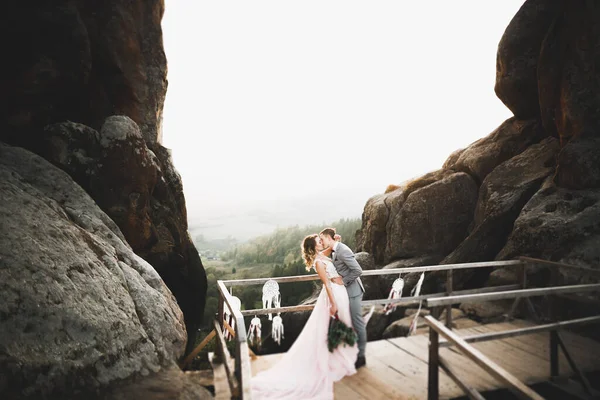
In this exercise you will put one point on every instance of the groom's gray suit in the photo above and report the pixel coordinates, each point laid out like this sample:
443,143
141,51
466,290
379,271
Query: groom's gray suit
346,265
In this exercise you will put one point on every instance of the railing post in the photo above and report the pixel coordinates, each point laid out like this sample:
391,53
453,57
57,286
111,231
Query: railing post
433,378
449,283
220,312
238,360
554,277
522,278
553,355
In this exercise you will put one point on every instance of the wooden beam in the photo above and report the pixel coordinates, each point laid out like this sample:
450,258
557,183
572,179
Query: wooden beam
514,385
197,350
239,319
573,364
444,267
584,270
404,301
433,376
245,371
264,311
511,294
525,331
469,391
262,281
226,357
449,285
554,363
376,272
232,332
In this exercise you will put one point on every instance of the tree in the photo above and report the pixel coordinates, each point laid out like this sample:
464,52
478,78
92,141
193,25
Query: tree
233,270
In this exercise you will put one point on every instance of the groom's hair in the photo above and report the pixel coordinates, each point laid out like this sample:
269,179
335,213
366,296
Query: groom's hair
329,232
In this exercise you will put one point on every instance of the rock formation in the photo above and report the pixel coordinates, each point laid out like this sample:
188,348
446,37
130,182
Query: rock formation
531,186
74,67
94,241
80,311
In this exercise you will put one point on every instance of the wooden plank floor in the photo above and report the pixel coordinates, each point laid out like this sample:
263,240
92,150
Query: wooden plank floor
397,368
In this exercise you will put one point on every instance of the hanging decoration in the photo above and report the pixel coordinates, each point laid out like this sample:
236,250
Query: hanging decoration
416,292
271,296
395,293
229,317
277,329
254,334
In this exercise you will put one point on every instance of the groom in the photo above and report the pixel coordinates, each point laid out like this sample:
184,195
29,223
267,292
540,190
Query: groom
347,266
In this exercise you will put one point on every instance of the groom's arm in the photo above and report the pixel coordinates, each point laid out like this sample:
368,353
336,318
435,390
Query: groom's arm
353,266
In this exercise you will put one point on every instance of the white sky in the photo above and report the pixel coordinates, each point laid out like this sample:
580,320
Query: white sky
274,101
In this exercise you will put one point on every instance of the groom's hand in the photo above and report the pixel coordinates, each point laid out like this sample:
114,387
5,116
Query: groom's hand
338,280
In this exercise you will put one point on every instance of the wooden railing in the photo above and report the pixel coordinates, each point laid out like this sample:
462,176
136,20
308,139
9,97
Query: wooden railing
451,339
239,379
240,375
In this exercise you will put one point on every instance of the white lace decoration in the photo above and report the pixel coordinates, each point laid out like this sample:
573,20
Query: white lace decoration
254,336
271,296
395,293
415,292
277,330
228,316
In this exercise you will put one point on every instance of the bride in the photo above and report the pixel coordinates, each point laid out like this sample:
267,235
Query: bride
308,370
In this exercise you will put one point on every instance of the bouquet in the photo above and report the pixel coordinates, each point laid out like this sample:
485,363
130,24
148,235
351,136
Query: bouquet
339,333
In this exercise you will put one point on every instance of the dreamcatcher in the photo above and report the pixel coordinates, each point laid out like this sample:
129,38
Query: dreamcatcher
395,293
277,329
254,332
228,317
271,296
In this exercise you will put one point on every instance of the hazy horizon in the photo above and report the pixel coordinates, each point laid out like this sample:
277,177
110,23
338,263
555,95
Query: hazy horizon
298,112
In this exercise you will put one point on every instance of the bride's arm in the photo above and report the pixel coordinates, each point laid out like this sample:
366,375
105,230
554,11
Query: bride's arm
320,267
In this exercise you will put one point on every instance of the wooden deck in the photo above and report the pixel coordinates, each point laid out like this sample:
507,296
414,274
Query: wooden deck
397,368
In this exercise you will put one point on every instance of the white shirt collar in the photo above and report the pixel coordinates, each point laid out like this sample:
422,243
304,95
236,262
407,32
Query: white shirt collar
335,245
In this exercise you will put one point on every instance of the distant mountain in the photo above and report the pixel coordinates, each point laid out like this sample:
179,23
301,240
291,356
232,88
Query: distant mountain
249,221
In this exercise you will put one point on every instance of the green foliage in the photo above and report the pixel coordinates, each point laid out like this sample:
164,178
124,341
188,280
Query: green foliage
283,246
274,255
339,333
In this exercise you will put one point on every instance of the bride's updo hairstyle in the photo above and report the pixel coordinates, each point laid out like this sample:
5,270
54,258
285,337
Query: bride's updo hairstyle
309,250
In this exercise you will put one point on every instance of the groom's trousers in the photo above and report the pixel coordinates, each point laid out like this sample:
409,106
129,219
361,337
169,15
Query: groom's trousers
358,322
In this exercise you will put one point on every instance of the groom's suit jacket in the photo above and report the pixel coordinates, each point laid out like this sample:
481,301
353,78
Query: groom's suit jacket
346,265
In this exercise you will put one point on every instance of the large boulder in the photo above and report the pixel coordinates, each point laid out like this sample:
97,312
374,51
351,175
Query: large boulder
142,193
81,313
518,53
579,164
512,137
557,224
395,202
434,219
502,195
85,62
81,61
372,236
567,72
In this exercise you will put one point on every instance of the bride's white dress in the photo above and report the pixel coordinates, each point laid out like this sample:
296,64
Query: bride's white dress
308,370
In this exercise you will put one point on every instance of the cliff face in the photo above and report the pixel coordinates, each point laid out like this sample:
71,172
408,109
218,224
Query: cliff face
85,232
71,66
532,183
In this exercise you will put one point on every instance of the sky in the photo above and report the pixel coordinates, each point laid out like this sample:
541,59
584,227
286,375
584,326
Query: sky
290,112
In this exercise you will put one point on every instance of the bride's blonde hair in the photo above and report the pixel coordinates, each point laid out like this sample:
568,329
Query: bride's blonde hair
309,250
